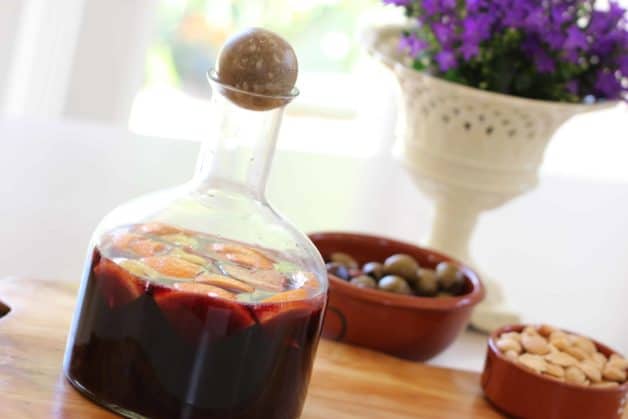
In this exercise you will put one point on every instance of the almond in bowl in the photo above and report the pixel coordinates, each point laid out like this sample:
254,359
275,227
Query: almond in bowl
547,373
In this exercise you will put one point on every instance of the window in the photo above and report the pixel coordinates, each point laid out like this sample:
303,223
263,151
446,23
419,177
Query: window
325,34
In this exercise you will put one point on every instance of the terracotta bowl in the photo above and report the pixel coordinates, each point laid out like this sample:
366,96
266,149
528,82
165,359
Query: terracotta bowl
521,393
415,328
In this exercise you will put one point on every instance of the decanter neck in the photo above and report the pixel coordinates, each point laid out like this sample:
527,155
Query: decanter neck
238,152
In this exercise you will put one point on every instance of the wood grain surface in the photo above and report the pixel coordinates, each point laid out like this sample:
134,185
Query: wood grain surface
347,382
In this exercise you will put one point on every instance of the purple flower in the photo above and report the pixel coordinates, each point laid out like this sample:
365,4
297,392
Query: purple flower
576,39
536,20
413,45
446,60
430,7
607,85
448,4
544,63
623,65
444,33
555,38
469,50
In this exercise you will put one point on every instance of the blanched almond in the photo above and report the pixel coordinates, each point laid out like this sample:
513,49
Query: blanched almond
618,362
534,362
612,373
535,344
585,344
529,330
555,370
512,355
505,345
592,372
562,359
565,346
557,335
511,335
575,375
599,360
224,282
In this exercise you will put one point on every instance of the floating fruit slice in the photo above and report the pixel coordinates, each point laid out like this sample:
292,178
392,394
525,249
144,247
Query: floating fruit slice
198,316
287,296
204,289
172,266
270,280
138,269
189,257
285,305
117,285
242,255
158,229
136,245
180,239
224,282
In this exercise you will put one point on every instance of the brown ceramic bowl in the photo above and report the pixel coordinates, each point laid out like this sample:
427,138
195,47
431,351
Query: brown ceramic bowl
415,328
521,393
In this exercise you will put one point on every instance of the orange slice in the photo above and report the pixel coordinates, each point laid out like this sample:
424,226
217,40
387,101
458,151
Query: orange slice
158,229
136,244
269,280
224,282
242,255
172,266
204,289
287,296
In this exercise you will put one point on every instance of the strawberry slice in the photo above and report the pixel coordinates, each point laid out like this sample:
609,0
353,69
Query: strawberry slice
198,316
117,285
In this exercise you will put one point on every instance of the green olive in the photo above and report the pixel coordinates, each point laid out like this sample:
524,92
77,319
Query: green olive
394,283
444,294
373,269
363,281
344,259
401,265
450,277
426,283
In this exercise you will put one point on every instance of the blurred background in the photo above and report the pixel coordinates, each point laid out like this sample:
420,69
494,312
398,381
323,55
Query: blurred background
141,64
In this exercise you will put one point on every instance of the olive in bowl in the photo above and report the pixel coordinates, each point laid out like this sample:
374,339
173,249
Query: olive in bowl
406,325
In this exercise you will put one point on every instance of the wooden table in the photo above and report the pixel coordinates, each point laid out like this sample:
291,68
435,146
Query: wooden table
348,382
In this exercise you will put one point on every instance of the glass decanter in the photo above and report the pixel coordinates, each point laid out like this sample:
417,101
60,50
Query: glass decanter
201,301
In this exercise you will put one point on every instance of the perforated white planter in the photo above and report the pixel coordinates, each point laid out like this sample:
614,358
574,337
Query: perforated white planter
469,150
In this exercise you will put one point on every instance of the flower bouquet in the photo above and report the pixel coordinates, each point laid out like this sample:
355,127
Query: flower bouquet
558,50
